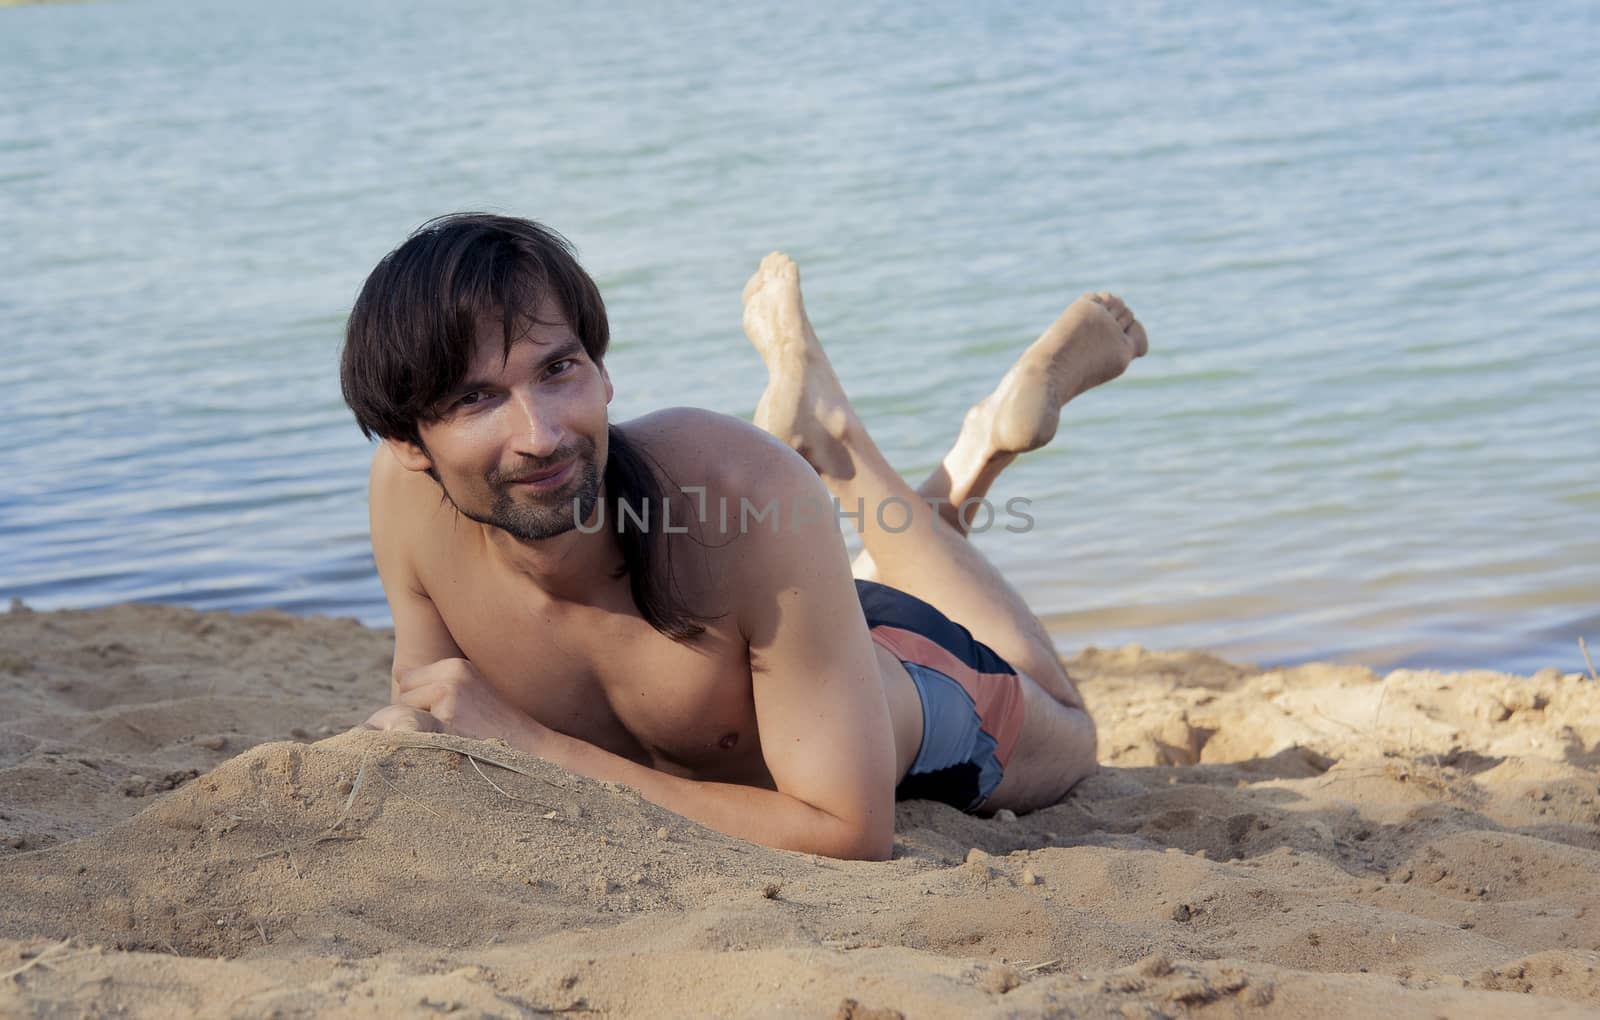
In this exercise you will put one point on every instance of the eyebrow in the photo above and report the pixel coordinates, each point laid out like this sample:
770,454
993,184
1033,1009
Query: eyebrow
567,348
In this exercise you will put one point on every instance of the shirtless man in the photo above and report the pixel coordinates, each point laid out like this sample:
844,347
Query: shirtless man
739,671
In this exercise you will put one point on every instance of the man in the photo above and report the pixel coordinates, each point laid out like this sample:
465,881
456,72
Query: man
653,603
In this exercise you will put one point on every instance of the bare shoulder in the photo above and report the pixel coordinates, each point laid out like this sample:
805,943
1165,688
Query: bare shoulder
762,509
726,455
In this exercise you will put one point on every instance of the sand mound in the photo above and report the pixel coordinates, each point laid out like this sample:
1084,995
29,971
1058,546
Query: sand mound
1309,842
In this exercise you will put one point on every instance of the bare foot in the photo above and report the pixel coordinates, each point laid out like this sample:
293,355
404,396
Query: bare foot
804,405
1092,342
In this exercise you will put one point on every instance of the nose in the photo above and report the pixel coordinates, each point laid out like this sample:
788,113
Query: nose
537,429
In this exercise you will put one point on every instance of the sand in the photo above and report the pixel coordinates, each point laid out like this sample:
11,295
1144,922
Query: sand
187,829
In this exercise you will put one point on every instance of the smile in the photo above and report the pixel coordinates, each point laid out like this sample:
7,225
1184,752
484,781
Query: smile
549,479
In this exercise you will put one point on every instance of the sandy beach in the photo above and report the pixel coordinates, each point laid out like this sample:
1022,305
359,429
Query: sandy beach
187,829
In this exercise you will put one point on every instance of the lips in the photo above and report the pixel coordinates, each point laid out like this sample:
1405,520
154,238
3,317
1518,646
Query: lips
541,477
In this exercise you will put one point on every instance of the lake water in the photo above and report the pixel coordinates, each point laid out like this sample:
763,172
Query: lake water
1365,238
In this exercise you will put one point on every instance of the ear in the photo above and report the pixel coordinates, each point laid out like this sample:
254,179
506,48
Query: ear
411,456
610,390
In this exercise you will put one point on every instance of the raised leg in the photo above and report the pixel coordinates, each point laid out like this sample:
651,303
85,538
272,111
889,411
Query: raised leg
804,405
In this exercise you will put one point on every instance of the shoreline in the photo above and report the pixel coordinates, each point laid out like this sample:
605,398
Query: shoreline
188,830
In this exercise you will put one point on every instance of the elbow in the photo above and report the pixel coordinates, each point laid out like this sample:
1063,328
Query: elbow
872,842
876,849
848,840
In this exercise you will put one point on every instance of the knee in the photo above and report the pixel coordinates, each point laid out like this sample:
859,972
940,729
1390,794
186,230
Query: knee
1083,752
1046,671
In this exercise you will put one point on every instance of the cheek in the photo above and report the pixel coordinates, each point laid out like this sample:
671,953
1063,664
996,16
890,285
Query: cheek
471,450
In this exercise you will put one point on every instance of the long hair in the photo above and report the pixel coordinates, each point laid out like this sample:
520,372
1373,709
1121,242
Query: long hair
632,478
409,342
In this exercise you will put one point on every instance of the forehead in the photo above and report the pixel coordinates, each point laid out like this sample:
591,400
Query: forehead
546,329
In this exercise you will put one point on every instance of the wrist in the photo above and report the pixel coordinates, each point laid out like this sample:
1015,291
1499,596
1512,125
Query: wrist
528,735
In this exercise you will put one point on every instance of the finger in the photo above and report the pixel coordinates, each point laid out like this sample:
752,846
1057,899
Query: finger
412,678
430,673
399,718
425,697
385,717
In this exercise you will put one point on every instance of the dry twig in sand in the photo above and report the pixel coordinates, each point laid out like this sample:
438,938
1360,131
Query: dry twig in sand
479,770
408,796
46,957
491,759
355,791
1585,650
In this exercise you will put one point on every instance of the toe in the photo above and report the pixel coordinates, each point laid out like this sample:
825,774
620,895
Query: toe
784,267
1123,313
1141,343
769,266
751,286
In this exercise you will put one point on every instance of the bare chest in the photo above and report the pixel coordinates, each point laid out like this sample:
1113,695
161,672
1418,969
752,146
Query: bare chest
600,673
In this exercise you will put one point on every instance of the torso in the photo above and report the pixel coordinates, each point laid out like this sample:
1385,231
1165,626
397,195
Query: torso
596,670
600,673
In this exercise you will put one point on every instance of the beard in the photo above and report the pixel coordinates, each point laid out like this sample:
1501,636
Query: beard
544,515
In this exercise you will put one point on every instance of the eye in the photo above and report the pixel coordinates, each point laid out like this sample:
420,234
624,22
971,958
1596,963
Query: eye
468,399
561,365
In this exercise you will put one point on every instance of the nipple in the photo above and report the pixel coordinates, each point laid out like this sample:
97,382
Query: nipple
727,743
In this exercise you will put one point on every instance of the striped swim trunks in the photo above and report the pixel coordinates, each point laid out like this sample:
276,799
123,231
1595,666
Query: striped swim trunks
971,698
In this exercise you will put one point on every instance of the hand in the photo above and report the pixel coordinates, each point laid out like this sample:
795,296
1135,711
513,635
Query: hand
455,694
399,717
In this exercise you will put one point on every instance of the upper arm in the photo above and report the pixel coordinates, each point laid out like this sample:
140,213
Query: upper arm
420,634
820,706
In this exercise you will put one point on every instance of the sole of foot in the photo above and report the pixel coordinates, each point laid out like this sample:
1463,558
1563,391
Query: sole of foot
1093,342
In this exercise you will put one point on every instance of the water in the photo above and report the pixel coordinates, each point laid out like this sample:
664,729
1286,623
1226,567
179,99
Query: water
1365,238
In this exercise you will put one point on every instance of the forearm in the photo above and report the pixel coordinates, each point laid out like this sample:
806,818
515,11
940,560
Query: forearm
768,817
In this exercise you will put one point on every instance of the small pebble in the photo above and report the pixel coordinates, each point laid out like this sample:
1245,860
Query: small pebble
974,856
662,833
1005,815
212,743
1028,877
299,733
344,786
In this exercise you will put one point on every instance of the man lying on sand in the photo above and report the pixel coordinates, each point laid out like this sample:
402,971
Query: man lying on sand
668,603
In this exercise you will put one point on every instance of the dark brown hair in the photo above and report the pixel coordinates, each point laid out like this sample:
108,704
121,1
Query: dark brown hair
409,342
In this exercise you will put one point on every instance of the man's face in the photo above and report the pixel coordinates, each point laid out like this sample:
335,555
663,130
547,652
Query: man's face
523,437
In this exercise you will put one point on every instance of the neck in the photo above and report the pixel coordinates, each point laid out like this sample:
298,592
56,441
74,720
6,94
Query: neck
571,567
